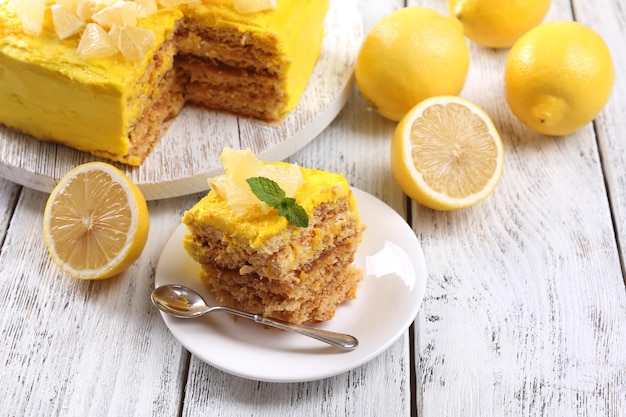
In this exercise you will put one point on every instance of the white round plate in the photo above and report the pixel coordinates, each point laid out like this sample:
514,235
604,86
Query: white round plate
387,302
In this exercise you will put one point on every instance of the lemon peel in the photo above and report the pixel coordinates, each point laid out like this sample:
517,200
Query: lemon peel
558,77
410,55
498,23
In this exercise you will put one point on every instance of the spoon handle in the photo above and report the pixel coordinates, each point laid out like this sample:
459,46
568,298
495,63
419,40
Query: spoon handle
340,340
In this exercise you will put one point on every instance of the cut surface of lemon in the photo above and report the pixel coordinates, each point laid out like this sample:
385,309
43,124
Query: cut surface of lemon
446,153
96,222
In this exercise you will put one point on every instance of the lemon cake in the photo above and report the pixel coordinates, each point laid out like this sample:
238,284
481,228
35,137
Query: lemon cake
257,259
103,76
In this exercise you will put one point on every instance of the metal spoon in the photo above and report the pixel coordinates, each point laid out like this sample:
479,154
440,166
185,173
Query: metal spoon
185,303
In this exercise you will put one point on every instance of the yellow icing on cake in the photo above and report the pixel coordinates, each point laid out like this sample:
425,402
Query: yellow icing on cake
49,92
317,187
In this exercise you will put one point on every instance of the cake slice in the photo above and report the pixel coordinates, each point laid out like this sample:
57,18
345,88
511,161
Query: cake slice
256,260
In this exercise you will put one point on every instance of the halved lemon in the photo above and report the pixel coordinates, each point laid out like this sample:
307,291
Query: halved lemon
446,153
96,222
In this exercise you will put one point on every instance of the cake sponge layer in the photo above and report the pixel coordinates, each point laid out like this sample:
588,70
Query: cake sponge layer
326,283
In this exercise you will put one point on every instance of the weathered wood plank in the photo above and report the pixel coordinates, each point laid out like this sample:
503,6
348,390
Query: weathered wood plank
525,314
610,125
80,348
382,384
9,193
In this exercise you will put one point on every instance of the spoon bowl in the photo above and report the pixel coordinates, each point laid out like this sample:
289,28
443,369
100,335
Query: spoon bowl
179,301
183,302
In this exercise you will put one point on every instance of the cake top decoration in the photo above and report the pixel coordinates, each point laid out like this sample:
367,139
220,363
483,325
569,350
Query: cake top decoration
106,27
270,192
241,165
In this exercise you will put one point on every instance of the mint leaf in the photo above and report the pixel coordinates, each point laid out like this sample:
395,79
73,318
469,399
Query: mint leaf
267,191
294,213
271,194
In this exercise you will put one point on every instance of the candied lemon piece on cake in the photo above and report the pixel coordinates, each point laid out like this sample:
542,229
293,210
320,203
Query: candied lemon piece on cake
95,43
85,9
446,153
133,42
96,222
239,165
121,13
253,6
68,4
31,14
146,7
243,164
65,22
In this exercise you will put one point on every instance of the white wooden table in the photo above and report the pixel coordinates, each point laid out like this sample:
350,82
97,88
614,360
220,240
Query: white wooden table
525,308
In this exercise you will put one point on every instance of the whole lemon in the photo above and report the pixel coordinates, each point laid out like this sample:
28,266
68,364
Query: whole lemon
498,23
558,77
410,55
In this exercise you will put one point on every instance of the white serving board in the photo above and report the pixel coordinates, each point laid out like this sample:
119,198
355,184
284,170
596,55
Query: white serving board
189,152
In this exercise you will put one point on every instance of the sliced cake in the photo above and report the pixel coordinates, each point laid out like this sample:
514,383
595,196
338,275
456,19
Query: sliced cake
265,260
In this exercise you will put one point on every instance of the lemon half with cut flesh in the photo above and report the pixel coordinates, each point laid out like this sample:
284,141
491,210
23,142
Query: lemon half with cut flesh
447,154
96,222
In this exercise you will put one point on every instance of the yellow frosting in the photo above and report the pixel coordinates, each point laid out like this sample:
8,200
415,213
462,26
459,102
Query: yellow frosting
317,187
48,91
